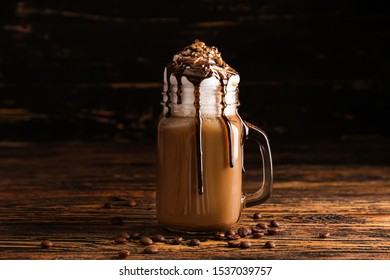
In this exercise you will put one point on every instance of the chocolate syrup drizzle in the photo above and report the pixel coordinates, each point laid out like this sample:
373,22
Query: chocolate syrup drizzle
196,74
199,149
227,121
179,84
168,93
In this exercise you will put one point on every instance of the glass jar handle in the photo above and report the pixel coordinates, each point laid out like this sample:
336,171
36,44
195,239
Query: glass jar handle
265,190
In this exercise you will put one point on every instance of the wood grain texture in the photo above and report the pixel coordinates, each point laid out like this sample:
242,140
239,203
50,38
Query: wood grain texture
83,70
58,191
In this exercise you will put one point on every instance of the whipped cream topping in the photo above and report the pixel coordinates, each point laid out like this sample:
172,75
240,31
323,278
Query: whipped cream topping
199,68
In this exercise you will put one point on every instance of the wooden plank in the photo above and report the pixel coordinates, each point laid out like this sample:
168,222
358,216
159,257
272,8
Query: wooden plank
59,192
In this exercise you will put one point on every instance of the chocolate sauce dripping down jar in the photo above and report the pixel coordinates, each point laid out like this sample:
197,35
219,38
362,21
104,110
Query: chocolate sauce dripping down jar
200,145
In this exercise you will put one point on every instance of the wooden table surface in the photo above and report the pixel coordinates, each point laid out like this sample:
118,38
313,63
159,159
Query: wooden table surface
69,193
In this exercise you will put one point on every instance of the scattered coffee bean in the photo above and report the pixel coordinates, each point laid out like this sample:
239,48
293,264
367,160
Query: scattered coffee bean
324,234
120,240
177,240
272,231
146,241
117,221
256,229
123,254
233,237
158,238
124,235
194,242
132,203
269,244
274,223
245,244
256,216
244,231
233,243
46,244
261,225
258,234
107,205
219,236
230,232
151,250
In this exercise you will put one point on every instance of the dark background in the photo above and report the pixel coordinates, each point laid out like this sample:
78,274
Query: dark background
92,70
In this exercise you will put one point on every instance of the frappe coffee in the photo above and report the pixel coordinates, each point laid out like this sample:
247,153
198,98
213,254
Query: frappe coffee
200,140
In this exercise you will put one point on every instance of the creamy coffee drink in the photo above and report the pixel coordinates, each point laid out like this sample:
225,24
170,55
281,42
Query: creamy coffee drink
200,140
180,205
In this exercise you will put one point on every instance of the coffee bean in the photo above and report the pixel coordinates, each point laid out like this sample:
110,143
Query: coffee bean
151,250
324,234
272,231
194,242
146,241
261,225
177,240
117,221
256,216
233,237
245,244
233,243
124,235
244,231
132,203
258,234
120,240
269,244
256,229
219,236
230,232
274,223
46,244
158,238
123,254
